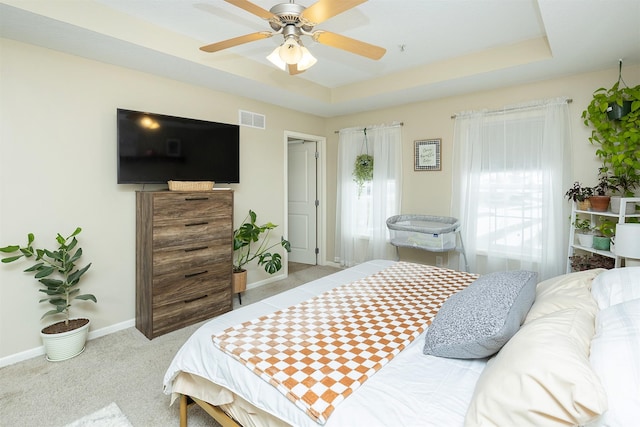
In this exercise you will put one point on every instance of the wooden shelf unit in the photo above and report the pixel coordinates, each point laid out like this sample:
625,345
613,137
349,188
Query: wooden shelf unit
184,250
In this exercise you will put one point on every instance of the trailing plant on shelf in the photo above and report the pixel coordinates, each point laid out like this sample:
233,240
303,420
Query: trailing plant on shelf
590,261
583,226
251,242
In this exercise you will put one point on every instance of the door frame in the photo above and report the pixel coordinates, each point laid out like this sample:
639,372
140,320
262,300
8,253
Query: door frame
321,170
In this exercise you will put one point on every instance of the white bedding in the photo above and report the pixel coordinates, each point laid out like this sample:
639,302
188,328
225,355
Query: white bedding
412,390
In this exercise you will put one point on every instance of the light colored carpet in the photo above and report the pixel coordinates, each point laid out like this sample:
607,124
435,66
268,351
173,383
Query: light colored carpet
124,368
109,416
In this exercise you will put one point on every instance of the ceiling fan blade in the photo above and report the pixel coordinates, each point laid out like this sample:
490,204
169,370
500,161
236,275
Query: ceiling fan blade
325,9
350,45
253,8
214,47
293,69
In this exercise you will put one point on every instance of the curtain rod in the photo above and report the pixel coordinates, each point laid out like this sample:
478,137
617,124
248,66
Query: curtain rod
397,124
569,101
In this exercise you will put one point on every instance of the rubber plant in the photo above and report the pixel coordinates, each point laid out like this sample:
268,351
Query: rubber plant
56,271
618,139
251,241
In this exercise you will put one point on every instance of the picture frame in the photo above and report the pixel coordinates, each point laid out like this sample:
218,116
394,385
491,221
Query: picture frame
428,154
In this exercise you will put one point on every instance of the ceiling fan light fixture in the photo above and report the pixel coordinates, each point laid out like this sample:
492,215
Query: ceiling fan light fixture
307,61
274,58
290,51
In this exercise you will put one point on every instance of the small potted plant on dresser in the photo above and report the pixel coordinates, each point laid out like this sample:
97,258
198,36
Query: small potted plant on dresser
56,271
251,242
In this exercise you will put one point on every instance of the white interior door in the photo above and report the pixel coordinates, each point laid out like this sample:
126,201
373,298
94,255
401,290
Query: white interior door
302,200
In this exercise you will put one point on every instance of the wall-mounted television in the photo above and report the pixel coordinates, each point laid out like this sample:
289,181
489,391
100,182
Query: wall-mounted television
155,148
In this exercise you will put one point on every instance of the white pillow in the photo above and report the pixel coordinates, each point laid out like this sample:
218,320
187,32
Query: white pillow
616,285
615,356
567,291
541,377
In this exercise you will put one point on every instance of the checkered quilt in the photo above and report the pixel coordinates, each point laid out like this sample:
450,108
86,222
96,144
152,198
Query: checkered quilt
320,351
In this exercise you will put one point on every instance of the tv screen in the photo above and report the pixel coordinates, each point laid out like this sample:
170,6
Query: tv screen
155,148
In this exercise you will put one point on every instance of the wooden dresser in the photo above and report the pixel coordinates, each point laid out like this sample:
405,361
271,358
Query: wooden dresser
184,250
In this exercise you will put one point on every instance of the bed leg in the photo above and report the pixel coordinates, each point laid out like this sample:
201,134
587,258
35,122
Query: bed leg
183,410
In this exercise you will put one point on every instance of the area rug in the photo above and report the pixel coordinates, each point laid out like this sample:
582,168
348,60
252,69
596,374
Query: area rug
109,416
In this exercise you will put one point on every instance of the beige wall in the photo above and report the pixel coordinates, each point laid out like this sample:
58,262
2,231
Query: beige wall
429,193
58,171
58,165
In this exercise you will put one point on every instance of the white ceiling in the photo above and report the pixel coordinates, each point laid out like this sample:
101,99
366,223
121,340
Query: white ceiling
435,48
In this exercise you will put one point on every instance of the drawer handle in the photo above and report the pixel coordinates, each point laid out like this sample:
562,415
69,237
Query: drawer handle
193,199
195,274
196,249
187,301
191,224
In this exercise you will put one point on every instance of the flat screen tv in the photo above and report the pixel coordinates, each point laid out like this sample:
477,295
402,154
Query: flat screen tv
155,148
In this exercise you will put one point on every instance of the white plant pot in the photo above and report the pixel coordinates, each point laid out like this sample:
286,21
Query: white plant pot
65,345
585,240
615,206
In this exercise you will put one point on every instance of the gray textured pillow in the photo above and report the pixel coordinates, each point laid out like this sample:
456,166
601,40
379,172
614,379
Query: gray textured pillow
477,321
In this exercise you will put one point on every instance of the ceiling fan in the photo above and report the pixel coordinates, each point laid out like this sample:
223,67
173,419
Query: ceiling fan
293,21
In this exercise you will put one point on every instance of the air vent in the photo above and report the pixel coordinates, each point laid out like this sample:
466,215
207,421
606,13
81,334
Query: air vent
253,120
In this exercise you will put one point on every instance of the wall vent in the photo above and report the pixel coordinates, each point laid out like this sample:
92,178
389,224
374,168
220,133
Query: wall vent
253,120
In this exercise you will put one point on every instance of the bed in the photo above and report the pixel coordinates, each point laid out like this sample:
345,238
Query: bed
573,361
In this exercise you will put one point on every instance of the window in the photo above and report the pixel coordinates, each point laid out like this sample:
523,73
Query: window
509,177
361,231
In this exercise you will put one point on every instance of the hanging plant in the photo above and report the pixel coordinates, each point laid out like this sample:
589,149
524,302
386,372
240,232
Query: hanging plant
363,170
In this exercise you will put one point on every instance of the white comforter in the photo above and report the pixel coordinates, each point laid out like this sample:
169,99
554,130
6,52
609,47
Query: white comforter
412,390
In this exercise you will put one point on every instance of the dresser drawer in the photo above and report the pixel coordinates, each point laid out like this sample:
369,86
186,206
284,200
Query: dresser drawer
177,315
185,286
177,206
190,259
185,231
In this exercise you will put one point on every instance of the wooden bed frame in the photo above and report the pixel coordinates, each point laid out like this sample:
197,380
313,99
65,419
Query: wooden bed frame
216,413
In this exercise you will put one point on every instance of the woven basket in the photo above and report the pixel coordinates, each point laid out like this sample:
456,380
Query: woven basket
190,185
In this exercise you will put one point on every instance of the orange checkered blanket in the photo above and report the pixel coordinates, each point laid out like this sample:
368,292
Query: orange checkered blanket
319,351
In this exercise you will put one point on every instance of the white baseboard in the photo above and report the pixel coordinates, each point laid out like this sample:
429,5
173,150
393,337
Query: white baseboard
39,351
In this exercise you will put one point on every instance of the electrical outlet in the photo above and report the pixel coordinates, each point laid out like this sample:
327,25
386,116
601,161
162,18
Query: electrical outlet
438,261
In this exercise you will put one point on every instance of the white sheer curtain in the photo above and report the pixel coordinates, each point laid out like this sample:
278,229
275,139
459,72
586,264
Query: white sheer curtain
361,231
510,171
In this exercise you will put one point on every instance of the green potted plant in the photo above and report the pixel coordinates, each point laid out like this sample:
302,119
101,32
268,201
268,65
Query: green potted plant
600,199
584,232
362,171
59,277
251,242
606,230
580,194
623,186
617,138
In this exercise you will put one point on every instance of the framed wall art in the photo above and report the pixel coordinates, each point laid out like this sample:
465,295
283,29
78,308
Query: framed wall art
427,155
